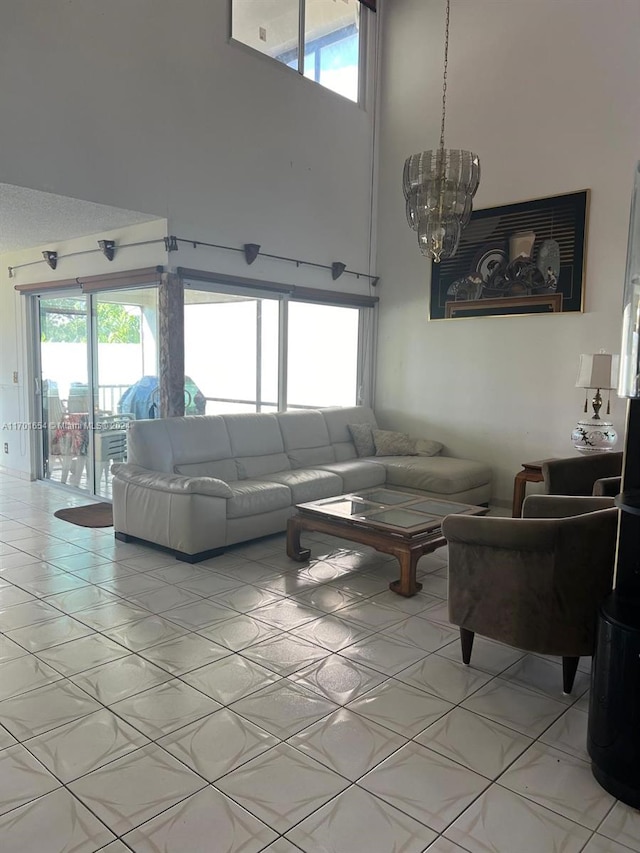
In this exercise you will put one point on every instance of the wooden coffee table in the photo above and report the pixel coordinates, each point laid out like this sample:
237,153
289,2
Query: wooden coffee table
399,523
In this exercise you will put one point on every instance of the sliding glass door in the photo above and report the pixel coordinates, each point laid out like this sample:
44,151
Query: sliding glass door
231,350
97,357
64,385
125,372
322,355
248,350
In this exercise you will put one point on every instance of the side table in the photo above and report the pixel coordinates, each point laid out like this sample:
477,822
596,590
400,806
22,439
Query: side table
531,473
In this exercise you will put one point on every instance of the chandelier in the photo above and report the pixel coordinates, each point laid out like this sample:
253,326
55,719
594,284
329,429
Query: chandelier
439,187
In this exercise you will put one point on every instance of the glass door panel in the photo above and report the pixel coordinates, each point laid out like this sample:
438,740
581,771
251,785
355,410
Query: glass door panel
231,350
65,400
125,372
322,355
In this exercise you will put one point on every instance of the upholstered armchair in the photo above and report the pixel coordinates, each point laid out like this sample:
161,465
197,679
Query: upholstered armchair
582,475
533,582
607,486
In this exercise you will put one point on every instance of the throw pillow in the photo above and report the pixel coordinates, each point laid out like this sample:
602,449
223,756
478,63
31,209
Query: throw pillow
362,435
426,447
390,443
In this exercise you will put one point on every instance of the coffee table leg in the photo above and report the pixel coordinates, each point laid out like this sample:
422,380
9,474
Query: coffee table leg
407,585
293,541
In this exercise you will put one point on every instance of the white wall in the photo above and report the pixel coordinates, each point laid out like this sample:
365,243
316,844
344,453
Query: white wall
546,93
147,106
16,399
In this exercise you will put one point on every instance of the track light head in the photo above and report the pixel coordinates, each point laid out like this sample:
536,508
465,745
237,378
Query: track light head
51,258
251,252
108,248
337,269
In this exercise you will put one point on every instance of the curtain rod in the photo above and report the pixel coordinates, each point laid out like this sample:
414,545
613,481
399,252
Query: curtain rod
252,250
84,252
249,250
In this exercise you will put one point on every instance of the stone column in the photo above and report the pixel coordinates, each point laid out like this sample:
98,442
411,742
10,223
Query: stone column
171,345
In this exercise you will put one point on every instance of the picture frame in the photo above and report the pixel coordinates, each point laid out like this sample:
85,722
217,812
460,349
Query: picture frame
516,259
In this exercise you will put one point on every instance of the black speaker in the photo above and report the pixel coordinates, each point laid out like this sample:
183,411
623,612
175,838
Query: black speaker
613,739
614,709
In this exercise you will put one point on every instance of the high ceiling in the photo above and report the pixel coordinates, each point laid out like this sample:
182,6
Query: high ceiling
30,218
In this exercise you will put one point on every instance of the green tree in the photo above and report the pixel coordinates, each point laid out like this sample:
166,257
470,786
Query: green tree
118,324
66,322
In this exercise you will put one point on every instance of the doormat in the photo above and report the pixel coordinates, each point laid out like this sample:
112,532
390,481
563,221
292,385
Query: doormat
92,515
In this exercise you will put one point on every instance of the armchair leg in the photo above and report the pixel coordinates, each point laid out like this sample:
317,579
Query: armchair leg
569,668
466,641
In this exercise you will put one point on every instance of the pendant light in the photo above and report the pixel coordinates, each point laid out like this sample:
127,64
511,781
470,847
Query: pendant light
439,187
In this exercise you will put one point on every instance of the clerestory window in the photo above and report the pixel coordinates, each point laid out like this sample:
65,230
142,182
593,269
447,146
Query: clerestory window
324,40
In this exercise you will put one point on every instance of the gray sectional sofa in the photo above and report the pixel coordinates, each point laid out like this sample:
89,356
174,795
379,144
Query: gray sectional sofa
198,484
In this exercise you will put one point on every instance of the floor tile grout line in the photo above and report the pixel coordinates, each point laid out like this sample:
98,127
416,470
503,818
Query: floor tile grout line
66,785
548,808
386,675
154,740
284,630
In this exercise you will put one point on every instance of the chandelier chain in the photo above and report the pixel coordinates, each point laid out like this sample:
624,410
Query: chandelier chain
444,75
439,185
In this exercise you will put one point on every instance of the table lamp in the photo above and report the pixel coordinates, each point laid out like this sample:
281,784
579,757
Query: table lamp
598,372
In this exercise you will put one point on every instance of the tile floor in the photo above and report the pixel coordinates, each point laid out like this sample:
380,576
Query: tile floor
250,704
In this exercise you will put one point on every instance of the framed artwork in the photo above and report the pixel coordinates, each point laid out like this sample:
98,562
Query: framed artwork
524,258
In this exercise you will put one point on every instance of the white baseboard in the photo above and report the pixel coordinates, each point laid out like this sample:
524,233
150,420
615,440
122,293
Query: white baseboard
12,472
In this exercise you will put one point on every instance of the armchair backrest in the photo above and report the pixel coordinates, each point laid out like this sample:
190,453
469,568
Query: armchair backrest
534,583
576,475
563,506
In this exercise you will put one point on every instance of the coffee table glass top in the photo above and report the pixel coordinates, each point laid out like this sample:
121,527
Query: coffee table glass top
406,513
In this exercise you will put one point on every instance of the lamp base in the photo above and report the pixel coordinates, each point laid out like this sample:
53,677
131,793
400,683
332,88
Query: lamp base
594,436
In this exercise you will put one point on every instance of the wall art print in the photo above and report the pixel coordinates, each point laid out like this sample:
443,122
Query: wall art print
524,258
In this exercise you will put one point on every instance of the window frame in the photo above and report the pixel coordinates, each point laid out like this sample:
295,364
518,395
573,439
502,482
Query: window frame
366,17
284,295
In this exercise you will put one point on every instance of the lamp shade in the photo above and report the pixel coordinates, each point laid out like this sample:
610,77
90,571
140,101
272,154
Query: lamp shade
599,370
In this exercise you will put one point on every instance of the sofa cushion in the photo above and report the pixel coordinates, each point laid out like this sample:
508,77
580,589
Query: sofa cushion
303,429
362,435
357,474
338,420
256,443
344,450
308,456
436,474
224,469
253,497
308,484
391,443
254,467
428,447
163,444
306,438
254,434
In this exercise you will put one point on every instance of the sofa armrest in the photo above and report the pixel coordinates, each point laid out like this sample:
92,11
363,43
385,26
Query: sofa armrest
173,483
562,506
